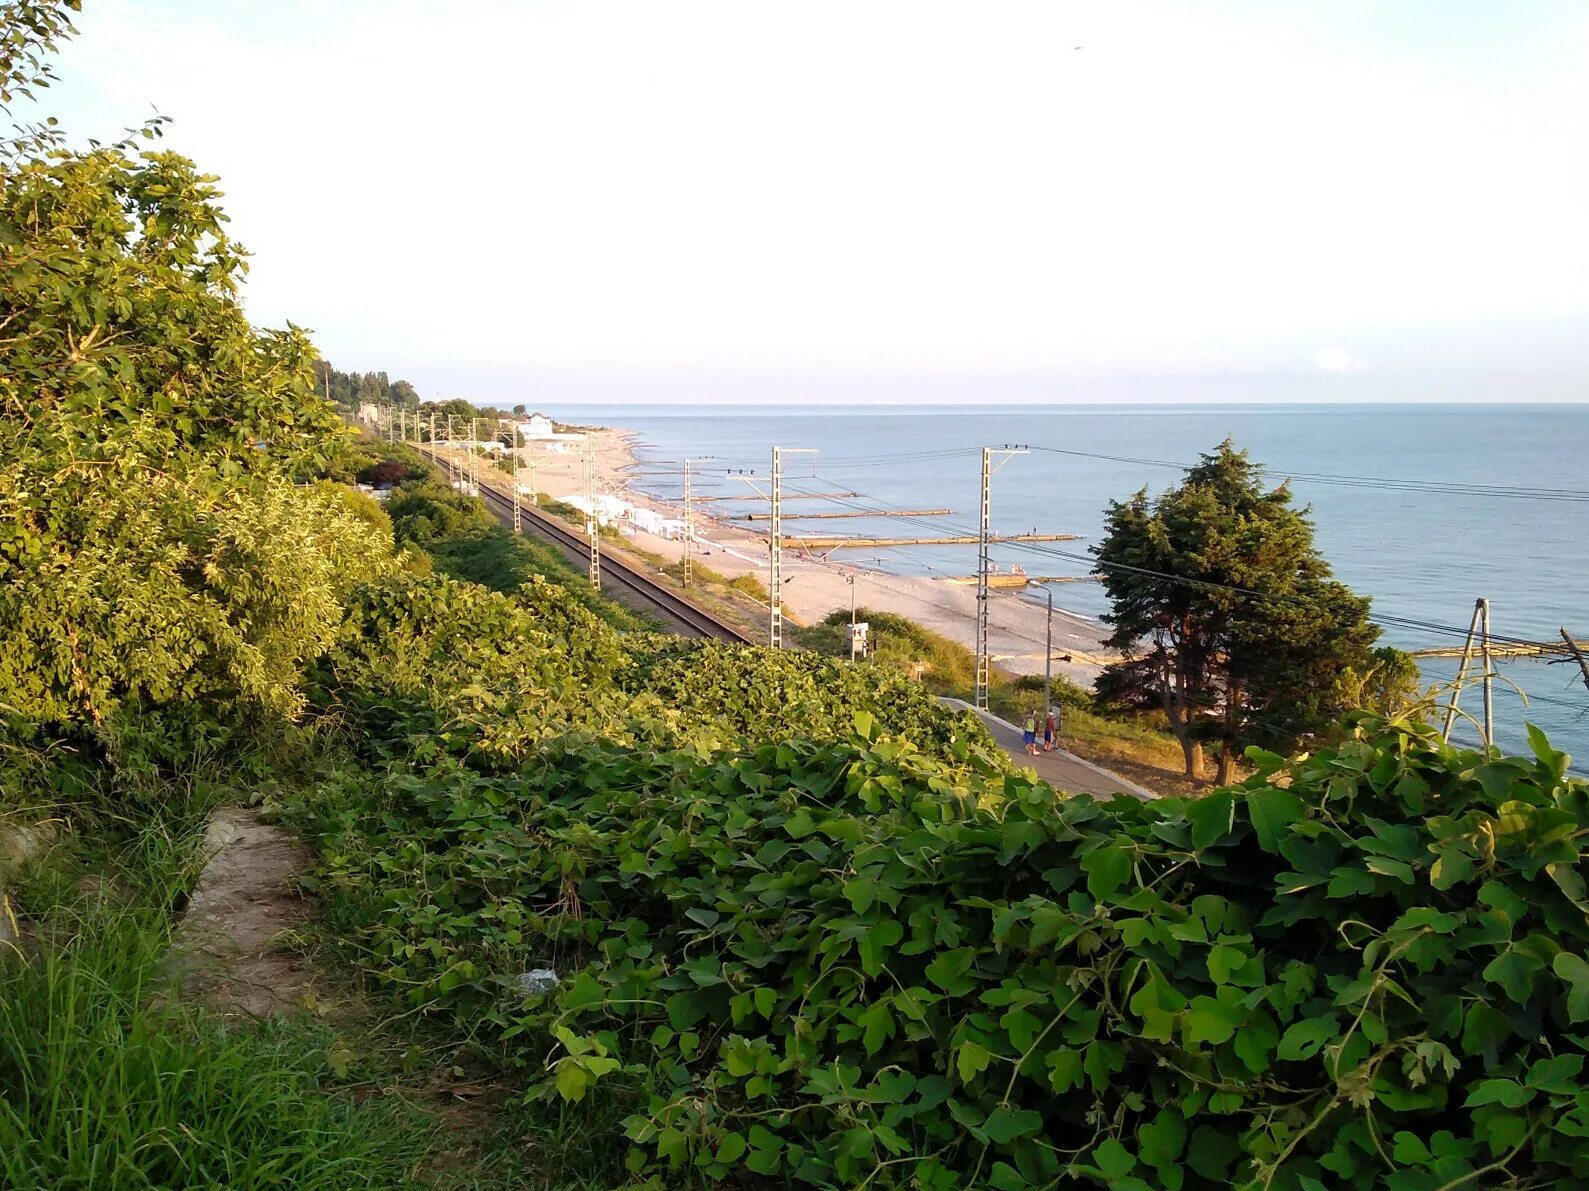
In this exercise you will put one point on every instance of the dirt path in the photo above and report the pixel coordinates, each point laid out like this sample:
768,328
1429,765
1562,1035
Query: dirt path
245,900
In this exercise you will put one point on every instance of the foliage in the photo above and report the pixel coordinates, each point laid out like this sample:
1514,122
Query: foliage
107,1082
349,390
166,596
465,539
1226,614
853,964
771,695
29,31
153,550
1390,684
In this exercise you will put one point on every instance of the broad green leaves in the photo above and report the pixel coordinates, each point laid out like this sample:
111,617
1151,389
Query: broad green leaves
812,960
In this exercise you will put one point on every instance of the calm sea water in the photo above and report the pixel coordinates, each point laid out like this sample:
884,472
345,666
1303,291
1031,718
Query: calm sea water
1421,555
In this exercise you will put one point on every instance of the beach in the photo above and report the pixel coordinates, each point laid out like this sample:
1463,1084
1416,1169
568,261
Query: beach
815,586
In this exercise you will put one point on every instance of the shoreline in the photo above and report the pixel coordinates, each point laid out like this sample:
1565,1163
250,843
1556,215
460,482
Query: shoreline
815,587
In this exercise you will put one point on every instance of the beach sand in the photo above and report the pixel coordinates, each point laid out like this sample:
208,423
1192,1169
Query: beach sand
815,587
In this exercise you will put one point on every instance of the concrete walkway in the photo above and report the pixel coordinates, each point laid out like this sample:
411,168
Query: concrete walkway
1062,770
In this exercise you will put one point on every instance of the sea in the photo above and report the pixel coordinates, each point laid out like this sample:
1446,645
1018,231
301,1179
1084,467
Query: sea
1426,508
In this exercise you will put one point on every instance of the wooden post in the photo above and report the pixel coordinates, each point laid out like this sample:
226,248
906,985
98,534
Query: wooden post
1489,702
1462,670
1572,647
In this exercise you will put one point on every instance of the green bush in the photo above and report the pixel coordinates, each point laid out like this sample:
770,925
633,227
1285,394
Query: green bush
848,963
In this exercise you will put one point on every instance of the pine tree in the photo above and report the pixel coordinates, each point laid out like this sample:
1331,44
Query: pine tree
1227,616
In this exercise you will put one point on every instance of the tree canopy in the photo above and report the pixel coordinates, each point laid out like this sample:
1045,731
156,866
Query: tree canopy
1226,614
155,549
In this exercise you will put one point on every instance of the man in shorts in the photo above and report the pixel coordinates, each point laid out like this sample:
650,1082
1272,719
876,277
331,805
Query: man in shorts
1029,733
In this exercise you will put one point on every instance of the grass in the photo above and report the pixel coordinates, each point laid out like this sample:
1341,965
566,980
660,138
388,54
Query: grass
108,1080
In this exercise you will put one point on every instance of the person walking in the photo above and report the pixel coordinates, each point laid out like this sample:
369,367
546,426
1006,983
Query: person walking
1029,733
1050,729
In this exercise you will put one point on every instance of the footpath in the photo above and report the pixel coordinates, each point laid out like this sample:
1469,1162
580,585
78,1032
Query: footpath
1062,770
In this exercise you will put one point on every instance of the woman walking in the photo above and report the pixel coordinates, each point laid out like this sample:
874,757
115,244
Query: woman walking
1050,727
1029,733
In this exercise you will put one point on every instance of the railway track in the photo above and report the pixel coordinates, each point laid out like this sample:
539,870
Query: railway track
674,610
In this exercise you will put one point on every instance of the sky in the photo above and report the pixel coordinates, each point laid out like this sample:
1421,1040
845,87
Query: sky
902,199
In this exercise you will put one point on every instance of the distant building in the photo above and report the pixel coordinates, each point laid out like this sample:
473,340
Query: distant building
369,413
540,428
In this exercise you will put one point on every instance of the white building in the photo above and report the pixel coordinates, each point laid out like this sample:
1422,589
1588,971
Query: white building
538,426
609,509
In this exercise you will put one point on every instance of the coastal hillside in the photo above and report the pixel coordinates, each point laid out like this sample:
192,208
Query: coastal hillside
349,839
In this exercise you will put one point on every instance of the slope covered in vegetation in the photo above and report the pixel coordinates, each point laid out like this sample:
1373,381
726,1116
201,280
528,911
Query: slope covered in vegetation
711,914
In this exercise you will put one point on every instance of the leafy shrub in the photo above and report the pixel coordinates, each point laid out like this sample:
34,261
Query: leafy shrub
852,963
465,540
427,656
164,596
771,695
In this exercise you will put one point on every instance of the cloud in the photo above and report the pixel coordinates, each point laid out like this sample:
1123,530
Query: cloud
1334,359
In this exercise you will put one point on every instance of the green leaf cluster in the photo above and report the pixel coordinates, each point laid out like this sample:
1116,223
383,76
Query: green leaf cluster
860,962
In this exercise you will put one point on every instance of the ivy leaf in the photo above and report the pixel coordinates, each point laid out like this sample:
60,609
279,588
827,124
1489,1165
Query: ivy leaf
1271,812
1005,1123
1211,1021
1304,1038
1113,1159
971,1060
1212,817
1506,1092
572,1080
1558,1075
1107,869
1575,971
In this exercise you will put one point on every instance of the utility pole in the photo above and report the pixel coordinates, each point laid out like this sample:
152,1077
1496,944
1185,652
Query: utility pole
851,578
518,515
1572,648
1489,671
1462,669
689,527
469,457
452,464
689,519
984,565
1048,655
775,584
592,522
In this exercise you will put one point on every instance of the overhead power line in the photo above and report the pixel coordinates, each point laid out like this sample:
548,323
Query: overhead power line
1091,561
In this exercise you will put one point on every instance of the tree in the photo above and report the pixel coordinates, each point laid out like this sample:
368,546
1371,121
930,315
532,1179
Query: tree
1226,615
156,554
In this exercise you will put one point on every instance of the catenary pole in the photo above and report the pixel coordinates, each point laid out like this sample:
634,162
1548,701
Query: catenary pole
851,578
984,666
592,522
689,516
1489,670
1462,670
1048,656
775,545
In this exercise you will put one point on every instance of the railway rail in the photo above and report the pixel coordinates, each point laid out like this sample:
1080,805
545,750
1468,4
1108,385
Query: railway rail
678,613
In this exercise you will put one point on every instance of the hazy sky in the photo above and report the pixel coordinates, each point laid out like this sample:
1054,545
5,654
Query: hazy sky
500,198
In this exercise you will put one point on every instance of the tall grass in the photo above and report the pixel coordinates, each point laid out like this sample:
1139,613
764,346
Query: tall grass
108,1082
